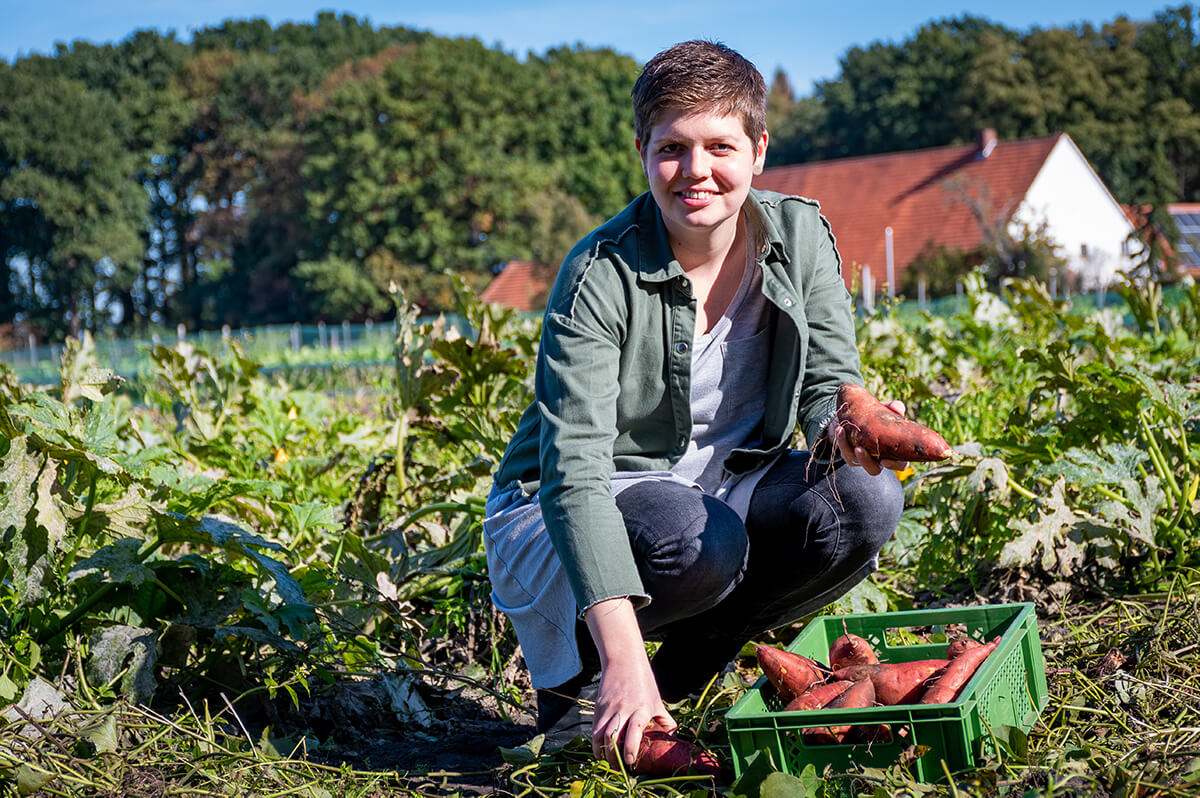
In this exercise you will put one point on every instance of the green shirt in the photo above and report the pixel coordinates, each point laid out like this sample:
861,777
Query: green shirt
612,386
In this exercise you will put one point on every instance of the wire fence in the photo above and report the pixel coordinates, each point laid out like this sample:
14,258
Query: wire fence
283,346
291,347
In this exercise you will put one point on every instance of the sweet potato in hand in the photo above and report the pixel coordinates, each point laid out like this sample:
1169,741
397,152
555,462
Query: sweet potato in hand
664,754
882,433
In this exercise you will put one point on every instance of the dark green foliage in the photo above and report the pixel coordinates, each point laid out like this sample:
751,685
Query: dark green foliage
263,174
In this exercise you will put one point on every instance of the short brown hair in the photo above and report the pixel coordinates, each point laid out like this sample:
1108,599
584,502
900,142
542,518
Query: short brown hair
702,77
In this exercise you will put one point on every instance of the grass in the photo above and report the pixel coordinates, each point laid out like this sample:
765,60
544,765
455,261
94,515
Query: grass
1123,720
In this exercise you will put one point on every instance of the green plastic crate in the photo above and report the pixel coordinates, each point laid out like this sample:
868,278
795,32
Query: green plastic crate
1009,690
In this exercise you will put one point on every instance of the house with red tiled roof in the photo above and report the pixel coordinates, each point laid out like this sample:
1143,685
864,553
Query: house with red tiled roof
520,285
890,208
887,209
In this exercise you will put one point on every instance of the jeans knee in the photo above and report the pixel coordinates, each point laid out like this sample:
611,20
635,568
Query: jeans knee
689,547
705,560
876,507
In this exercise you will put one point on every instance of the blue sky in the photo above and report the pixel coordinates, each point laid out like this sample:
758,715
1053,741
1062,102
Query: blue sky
805,38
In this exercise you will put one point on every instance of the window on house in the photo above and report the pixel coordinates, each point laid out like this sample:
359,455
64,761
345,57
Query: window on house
1083,250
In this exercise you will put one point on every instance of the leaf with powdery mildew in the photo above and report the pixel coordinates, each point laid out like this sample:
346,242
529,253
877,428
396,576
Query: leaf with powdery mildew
1053,539
28,558
119,561
1111,465
27,545
990,472
126,651
96,383
18,474
131,514
81,377
48,508
1136,514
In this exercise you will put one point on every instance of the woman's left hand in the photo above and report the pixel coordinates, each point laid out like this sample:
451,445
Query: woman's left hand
627,701
857,455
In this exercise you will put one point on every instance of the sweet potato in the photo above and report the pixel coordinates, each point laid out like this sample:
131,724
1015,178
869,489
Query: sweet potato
664,754
895,682
860,694
851,650
885,435
961,645
791,674
957,674
817,696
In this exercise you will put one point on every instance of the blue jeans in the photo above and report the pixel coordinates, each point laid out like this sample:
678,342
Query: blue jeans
810,535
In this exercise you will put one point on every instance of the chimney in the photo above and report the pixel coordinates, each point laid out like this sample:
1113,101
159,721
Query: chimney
985,142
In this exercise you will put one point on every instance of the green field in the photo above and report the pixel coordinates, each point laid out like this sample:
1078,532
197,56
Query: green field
228,577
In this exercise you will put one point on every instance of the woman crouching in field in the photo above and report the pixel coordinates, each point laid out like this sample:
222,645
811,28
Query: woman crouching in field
651,491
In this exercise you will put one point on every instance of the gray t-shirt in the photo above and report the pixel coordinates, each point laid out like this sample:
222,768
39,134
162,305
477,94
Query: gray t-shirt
729,378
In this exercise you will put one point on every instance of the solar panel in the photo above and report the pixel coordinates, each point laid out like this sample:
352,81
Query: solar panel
1189,238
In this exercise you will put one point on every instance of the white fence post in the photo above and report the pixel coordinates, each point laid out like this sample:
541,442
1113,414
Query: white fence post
891,266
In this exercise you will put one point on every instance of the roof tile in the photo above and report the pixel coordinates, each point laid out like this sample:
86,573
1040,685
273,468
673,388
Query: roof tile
519,285
931,197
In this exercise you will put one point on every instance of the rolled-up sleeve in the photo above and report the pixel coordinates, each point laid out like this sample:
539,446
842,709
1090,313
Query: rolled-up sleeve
833,353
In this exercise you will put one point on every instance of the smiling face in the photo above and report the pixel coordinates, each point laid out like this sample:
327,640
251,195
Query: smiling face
700,166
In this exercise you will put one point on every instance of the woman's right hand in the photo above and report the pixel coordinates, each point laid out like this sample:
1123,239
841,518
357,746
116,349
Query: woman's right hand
628,699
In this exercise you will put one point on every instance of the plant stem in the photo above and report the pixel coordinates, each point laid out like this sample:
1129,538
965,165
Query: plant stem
1160,462
84,521
428,509
98,595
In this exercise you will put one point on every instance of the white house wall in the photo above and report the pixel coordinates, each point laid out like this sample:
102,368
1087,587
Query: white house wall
1081,216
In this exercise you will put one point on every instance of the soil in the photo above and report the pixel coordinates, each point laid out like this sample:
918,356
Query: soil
450,742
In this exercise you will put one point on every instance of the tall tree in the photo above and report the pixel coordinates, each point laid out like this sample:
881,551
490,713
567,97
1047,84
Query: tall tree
66,190
780,99
433,157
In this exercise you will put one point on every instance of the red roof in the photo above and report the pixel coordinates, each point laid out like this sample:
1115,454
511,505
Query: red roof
929,197
520,285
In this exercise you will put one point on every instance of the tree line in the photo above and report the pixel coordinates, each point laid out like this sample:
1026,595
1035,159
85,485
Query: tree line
260,174
1128,93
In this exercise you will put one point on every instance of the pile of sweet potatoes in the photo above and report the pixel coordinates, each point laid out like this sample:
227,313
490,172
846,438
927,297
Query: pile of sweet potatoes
855,677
